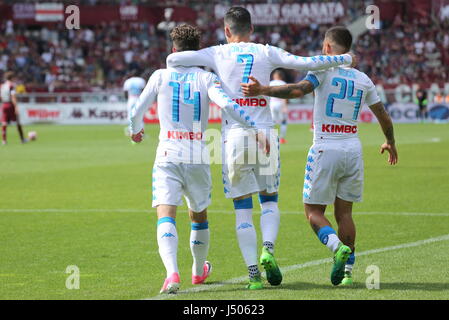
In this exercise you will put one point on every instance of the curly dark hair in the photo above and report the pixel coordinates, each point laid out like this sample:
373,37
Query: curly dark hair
185,37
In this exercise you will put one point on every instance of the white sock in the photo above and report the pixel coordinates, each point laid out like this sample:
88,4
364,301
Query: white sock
328,237
283,129
246,233
269,223
199,246
348,267
333,242
167,240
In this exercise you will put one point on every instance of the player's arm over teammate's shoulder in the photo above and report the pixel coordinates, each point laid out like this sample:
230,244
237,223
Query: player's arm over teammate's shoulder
280,58
146,99
286,91
204,57
219,96
234,110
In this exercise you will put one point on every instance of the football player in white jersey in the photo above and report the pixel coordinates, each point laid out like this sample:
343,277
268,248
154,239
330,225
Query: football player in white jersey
234,63
334,169
133,87
279,107
182,160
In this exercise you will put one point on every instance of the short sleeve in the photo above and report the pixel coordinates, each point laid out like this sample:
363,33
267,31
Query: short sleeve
316,78
372,97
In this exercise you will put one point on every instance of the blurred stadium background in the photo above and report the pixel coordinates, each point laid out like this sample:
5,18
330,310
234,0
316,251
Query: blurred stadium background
76,76
80,194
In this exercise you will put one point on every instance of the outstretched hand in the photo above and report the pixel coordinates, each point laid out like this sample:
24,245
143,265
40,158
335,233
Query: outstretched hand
252,89
393,153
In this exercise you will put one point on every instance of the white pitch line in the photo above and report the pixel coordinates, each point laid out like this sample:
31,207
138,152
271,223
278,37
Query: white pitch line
304,265
224,211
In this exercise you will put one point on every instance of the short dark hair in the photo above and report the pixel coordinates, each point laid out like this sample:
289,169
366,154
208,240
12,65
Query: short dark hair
9,75
280,72
185,37
341,36
239,20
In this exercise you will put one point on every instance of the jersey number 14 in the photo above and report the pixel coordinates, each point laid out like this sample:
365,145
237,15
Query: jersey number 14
187,99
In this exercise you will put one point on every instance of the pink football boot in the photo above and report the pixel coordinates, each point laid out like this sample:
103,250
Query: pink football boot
207,269
171,284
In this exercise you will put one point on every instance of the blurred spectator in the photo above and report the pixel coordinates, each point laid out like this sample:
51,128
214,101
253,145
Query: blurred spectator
102,57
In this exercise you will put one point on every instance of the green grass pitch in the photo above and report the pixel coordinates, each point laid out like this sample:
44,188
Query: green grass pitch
80,195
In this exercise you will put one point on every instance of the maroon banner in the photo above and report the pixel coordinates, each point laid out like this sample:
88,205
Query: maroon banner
94,15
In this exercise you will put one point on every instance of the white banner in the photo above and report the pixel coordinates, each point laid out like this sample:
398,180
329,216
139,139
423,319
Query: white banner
290,13
74,113
49,12
115,113
303,113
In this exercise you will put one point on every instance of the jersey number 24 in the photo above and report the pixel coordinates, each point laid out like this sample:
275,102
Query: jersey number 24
346,92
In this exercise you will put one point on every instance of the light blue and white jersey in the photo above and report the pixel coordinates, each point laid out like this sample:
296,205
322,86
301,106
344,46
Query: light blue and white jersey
183,96
340,94
134,86
235,62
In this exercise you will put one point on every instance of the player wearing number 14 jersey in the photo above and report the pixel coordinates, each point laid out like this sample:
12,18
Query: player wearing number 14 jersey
182,158
243,173
334,169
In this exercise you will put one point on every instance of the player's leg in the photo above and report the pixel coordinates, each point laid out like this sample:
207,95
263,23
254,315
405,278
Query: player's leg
247,238
13,117
347,233
197,191
283,131
239,184
325,163
167,240
349,190
327,235
269,225
199,246
4,128
4,120
20,130
167,195
321,225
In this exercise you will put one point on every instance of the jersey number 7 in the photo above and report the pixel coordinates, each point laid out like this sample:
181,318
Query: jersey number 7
187,99
346,91
248,60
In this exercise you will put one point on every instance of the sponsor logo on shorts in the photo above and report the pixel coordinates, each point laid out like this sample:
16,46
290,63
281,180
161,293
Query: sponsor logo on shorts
338,128
179,135
251,102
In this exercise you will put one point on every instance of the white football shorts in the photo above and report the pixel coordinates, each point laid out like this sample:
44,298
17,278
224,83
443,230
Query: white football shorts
334,169
171,181
246,170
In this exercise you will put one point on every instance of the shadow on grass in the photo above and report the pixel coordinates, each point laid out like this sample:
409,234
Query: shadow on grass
404,286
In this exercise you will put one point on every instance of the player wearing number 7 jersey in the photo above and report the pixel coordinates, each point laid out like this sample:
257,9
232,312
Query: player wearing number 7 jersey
334,169
182,159
234,63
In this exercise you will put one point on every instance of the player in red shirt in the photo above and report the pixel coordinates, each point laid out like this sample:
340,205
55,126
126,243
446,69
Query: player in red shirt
10,110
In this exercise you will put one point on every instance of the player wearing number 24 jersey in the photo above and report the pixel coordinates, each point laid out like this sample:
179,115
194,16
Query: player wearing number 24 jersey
182,165
334,169
234,63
